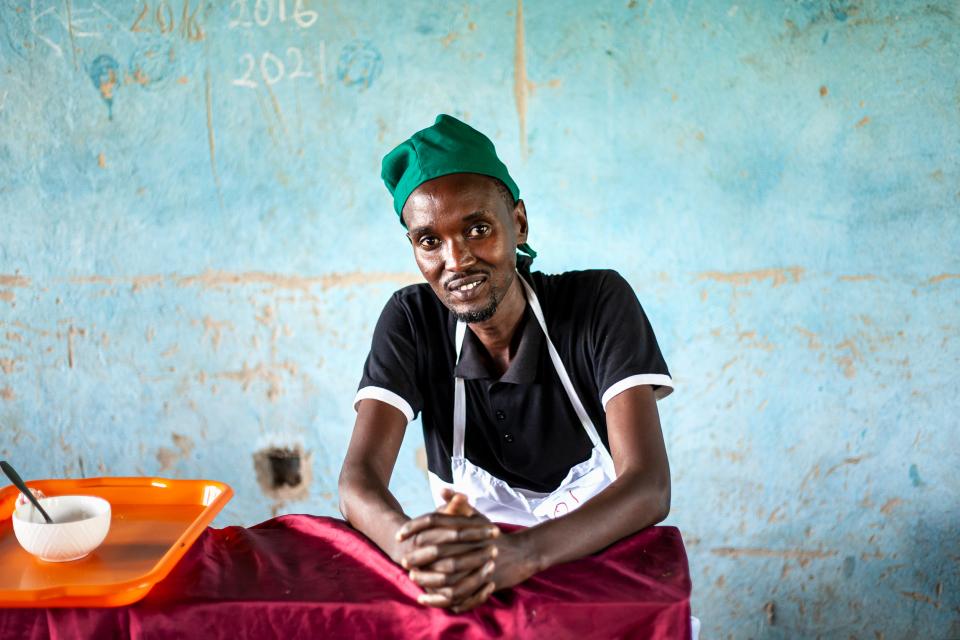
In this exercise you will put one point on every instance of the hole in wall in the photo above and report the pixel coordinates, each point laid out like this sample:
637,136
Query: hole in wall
284,473
284,468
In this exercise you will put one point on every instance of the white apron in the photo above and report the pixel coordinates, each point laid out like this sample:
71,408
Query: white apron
493,497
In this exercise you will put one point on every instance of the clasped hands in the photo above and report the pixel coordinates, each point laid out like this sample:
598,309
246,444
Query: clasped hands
458,557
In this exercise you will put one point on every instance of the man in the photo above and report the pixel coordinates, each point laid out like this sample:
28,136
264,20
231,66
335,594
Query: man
537,392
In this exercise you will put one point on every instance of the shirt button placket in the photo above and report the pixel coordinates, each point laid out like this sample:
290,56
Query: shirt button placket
501,416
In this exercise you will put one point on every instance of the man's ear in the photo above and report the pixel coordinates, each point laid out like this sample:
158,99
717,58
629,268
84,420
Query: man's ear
520,221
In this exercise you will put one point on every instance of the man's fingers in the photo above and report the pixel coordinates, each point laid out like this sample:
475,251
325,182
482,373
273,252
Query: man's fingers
438,521
433,600
477,532
477,583
475,600
456,563
453,536
449,571
467,586
457,504
422,556
435,579
472,582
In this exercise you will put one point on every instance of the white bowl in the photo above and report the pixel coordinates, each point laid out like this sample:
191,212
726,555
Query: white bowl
80,523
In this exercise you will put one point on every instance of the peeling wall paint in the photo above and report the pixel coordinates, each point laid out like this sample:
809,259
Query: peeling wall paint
195,246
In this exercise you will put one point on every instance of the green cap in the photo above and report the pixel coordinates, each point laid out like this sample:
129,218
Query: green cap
449,146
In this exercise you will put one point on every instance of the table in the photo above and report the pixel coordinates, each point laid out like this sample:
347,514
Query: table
300,576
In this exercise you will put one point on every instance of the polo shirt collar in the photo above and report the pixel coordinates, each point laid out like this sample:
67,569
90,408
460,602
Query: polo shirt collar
525,365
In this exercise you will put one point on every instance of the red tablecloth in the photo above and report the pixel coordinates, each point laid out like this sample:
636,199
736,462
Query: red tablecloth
311,577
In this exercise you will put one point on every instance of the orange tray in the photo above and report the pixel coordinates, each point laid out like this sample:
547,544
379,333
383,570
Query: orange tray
154,522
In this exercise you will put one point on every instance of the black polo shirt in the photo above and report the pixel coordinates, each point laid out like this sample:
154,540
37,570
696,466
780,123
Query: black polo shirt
521,427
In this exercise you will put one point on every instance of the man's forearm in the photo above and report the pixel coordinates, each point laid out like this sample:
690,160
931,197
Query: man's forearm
369,507
629,504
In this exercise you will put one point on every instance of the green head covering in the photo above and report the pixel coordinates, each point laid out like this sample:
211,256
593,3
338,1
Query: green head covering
449,146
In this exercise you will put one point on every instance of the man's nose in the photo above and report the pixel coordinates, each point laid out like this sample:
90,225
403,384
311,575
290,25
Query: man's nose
458,256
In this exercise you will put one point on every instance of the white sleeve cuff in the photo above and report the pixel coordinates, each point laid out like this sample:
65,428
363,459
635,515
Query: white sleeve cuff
661,380
384,395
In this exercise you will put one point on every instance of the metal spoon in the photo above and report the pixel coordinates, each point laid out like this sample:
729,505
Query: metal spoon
19,484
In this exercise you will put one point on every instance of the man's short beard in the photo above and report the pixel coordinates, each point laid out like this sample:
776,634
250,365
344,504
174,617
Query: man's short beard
480,315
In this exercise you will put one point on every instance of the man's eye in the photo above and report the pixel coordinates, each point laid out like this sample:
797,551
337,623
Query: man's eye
428,242
479,230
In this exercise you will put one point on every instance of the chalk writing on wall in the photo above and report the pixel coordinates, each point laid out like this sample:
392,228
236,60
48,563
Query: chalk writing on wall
273,70
36,24
63,27
264,11
270,67
160,17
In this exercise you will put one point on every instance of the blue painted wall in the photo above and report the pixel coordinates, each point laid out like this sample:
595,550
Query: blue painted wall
194,246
